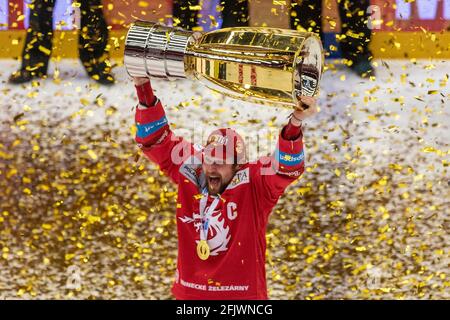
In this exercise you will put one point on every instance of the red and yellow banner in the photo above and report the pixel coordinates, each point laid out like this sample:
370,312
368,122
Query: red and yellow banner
401,28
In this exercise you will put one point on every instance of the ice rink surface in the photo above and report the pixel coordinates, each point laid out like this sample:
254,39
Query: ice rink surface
82,215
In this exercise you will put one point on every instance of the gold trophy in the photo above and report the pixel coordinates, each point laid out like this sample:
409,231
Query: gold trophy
257,64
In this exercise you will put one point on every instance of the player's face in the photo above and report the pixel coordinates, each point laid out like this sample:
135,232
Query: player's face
218,175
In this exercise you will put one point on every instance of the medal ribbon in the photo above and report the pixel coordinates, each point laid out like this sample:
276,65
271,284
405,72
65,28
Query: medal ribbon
203,215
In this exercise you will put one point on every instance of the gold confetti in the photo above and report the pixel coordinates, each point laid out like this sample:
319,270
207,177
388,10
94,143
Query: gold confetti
84,201
92,154
337,172
44,50
143,4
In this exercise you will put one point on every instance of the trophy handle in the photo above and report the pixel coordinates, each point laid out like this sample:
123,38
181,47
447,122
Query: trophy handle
136,47
155,50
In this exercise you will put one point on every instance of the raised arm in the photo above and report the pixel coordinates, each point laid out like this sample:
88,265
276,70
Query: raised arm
286,164
153,134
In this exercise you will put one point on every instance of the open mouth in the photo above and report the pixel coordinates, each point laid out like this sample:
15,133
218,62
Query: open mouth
214,182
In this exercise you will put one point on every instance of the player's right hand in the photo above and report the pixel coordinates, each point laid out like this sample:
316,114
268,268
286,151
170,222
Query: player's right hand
138,81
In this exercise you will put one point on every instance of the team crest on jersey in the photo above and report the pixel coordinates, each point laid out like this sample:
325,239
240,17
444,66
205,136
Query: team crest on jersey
218,233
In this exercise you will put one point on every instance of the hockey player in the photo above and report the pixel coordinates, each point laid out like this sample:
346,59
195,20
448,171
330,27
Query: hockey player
224,201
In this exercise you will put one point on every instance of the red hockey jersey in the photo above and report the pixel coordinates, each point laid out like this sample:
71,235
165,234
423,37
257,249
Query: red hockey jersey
236,231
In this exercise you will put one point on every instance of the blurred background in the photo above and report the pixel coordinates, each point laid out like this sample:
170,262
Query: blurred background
402,29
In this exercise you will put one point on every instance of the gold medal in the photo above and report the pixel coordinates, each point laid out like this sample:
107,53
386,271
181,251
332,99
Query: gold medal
203,249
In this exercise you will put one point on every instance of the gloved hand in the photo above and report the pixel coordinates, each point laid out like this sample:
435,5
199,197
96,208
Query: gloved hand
144,92
138,81
150,119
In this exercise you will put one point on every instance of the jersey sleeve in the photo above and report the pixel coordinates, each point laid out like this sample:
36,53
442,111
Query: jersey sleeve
273,174
158,142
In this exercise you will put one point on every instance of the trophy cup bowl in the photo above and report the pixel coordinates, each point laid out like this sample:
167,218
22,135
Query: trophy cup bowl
268,66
